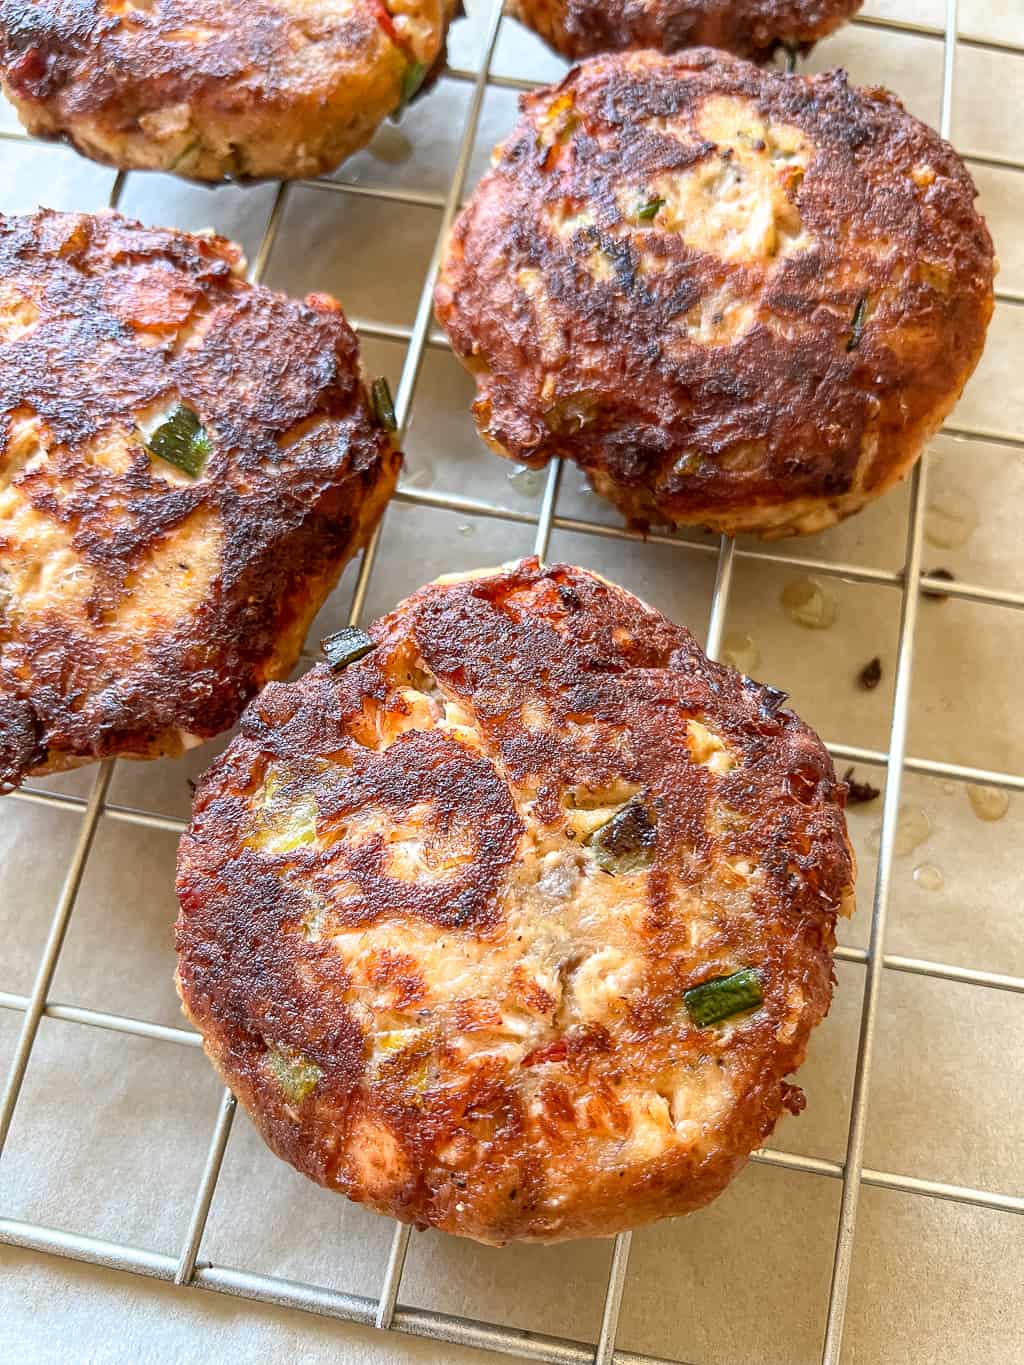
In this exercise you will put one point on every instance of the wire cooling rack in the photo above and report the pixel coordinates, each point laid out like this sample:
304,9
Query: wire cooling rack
384,1311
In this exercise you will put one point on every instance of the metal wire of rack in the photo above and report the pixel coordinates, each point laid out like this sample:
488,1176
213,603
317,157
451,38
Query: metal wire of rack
384,1312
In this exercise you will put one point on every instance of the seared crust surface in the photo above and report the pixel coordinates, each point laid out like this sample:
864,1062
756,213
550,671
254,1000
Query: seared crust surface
747,28
408,962
736,298
140,609
268,88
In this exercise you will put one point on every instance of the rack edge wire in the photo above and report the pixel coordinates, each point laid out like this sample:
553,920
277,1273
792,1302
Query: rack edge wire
384,1312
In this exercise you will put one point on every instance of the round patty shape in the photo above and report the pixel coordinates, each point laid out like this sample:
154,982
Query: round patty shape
748,28
268,88
186,464
736,298
516,926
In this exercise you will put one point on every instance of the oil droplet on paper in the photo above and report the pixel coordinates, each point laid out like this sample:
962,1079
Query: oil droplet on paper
949,518
912,828
741,651
390,145
466,530
929,877
809,603
988,803
422,476
526,481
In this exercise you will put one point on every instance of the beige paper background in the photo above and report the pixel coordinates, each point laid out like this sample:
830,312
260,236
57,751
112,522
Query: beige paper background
111,1132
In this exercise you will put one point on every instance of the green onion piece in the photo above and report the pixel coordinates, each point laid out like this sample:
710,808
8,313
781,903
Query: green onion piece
295,1074
181,441
857,326
715,1000
625,843
383,405
344,647
412,78
647,211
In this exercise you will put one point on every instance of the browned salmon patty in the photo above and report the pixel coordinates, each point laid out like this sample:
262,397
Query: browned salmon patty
748,28
735,298
186,464
266,88
516,926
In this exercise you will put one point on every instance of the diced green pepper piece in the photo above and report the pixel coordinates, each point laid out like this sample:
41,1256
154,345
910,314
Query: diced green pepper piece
285,828
345,646
295,1074
412,78
181,441
648,210
723,996
383,404
857,325
625,843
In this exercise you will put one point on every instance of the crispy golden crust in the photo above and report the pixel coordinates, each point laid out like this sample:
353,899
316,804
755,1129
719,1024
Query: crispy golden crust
408,962
140,609
748,28
735,298
271,88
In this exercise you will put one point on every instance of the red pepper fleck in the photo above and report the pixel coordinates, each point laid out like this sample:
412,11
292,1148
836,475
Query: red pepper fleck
550,1052
387,23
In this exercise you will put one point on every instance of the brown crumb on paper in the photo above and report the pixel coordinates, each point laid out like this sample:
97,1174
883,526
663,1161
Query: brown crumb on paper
933,593
859,793
870,675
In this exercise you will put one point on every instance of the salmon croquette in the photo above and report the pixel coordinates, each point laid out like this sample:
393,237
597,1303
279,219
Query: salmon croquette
186,464
213,91
737,299
514,921
748,28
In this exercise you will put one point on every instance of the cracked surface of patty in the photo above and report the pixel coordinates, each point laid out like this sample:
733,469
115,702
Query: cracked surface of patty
141,606
440,911
269,88
735,298
748,28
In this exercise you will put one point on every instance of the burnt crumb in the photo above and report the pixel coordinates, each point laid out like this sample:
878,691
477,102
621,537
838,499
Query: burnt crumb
859,793
870,675
568,597
933,593
793,1098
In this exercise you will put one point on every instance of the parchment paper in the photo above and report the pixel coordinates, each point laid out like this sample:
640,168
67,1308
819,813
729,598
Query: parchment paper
111,1132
